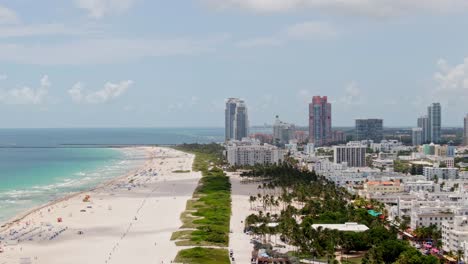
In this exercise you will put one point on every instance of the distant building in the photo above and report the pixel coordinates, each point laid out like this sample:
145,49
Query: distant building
417,136
282,132
435,122
338,136
309,149
300,136
369,129
263,138
236,119
320,120
465,131
352,155
423,123
438,150
429,149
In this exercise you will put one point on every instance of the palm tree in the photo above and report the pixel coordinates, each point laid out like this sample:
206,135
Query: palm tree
251,200
459,255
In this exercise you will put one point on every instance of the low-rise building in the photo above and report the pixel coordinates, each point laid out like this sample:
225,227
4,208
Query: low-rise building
383,187
346,227
440,173
418,186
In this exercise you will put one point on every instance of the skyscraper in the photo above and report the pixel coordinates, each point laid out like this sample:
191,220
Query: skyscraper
236,119
369,129
465,131
423,123
320,121
435,122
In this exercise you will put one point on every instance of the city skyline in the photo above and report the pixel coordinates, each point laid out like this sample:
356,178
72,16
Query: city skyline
133,63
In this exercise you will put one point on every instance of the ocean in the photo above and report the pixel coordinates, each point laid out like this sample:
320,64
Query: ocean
41,165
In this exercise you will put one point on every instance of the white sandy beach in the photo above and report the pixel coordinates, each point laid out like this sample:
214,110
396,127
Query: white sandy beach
129,220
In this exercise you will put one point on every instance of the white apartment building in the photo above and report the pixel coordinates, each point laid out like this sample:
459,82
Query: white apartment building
421,185
353,155
455,234
441,173
254,154
425,216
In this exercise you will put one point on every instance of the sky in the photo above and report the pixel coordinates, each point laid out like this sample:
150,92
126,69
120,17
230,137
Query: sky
159,63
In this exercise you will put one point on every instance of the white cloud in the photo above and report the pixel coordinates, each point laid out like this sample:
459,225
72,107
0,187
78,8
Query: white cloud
310,29
110,91
301,31
101,8
452,80
37,30
370,8
104,51
8,16
352,95
261,42
26,95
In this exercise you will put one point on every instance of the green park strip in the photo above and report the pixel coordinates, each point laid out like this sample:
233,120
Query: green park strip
207,216
201,255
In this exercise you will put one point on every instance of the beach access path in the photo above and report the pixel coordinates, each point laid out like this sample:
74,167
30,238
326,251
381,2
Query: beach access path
239,242
129,220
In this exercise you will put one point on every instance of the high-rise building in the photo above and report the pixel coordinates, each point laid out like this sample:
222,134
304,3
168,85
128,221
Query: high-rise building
423,123
354,155
282,132
465,131
236,119
435,122
417,135
369,129
320,120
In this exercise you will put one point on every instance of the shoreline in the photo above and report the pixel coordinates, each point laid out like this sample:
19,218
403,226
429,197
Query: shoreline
5,225
128,219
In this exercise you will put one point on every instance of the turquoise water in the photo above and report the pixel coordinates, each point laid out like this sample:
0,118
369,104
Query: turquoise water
33,176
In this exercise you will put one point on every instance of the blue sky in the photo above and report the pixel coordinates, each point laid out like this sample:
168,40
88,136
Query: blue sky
158,63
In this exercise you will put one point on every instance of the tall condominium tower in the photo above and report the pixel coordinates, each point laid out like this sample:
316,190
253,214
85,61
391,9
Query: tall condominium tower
236,119
369,129
320,121
423,123
435,122
465,131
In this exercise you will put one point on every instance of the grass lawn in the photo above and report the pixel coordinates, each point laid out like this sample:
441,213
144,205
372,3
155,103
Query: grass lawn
200,255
